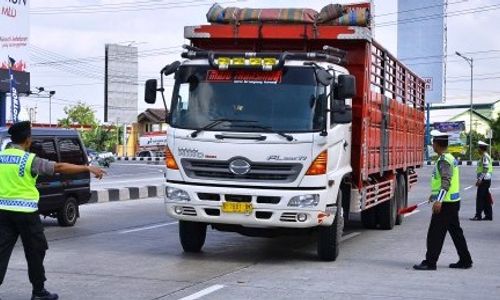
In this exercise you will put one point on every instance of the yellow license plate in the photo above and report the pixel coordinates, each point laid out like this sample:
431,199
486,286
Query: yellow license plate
237,207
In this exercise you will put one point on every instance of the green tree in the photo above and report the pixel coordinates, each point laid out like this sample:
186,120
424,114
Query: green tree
97,137
79,114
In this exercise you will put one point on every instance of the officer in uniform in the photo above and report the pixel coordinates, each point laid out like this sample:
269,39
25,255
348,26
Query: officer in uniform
484,171
445,185
19,204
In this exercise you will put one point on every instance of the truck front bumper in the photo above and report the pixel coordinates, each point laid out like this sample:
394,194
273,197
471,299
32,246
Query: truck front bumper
269,207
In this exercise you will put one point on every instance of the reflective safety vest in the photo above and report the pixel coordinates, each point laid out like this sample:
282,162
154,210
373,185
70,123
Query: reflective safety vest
18,190
453,193
480,166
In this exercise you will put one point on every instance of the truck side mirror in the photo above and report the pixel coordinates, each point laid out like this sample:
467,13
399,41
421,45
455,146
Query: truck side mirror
170,69
150,91
341,113
346,87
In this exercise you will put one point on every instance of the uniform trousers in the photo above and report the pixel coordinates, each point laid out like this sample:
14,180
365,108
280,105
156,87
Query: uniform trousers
30,228
482,200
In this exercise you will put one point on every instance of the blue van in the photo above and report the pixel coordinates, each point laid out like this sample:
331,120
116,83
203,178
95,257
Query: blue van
60,195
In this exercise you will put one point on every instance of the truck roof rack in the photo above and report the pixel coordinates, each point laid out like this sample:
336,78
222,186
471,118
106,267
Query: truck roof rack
265,61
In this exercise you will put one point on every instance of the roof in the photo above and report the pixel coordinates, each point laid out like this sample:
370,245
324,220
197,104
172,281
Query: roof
152,115
45,131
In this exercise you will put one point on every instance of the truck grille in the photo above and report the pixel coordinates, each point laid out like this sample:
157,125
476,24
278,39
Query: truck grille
265,172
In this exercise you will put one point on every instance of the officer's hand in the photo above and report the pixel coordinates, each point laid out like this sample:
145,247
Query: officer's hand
436,207
98,172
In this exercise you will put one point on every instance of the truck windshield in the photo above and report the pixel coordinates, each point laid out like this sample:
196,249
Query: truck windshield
284,101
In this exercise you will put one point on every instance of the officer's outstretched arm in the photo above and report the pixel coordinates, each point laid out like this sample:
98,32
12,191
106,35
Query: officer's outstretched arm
66,168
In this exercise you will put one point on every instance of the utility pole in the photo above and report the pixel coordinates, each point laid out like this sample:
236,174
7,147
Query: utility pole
470,61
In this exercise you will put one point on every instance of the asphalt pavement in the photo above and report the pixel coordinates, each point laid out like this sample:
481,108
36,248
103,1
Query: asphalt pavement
130,250
130,174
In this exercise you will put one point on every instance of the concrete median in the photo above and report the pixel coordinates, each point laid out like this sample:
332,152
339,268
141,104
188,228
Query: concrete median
127,193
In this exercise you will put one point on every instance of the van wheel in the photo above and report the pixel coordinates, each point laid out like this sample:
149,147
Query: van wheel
329,236
68,214
192,235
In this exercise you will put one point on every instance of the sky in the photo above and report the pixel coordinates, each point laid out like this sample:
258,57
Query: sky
158,33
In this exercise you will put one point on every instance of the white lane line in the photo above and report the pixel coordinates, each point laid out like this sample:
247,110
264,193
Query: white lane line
204,292
144,165
349,236
148,227
412,213
468,188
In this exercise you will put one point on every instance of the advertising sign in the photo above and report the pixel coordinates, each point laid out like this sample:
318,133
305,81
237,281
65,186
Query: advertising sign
14,41
456,141
421,43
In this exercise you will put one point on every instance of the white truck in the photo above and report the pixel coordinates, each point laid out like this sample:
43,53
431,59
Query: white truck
266,140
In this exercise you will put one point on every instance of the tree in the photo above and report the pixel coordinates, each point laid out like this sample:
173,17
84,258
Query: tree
97,137
79,114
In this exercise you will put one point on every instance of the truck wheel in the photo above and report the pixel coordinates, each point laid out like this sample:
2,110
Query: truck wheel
68,214
192,235
329,236
402,199
369,218
387,212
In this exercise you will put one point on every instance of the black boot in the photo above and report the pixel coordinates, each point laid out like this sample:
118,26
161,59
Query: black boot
425,266
461,265
43,295
476,218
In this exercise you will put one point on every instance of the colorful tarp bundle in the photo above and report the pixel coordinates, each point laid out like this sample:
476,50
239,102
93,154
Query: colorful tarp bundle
332,14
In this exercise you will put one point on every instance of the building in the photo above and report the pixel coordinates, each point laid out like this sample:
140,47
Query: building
482,114
152,120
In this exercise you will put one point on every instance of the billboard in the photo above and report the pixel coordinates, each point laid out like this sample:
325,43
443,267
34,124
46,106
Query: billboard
421,43
456,131
121,84
14,41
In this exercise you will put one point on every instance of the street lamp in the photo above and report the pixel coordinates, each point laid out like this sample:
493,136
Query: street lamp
470,61
51,93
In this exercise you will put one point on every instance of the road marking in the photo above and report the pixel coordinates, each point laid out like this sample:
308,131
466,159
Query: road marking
204,292
467,188
144,165
412,213
349,236
148,227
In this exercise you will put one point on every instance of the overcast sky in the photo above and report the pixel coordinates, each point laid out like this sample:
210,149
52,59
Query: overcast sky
65,36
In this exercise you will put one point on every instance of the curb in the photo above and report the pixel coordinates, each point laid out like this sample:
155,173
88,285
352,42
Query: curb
127,158
465,163
128,193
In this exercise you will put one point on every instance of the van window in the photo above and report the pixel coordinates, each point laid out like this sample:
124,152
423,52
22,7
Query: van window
71,151
44,148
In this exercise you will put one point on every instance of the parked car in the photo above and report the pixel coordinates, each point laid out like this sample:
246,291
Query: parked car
61,194
149,153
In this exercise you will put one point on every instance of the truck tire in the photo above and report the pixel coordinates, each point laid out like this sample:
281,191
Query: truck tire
192,235
68,214
329,236
369,218
402,198
387,212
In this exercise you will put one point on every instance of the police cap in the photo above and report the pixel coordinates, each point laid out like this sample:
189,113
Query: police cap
439,136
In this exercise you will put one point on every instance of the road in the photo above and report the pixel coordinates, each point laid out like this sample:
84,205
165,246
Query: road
125,174
130,250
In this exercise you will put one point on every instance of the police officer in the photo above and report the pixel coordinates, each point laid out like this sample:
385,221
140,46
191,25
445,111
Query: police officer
19,204
445,184
484,171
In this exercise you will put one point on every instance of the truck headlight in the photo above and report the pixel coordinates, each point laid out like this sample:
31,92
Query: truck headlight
177,195
304,201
